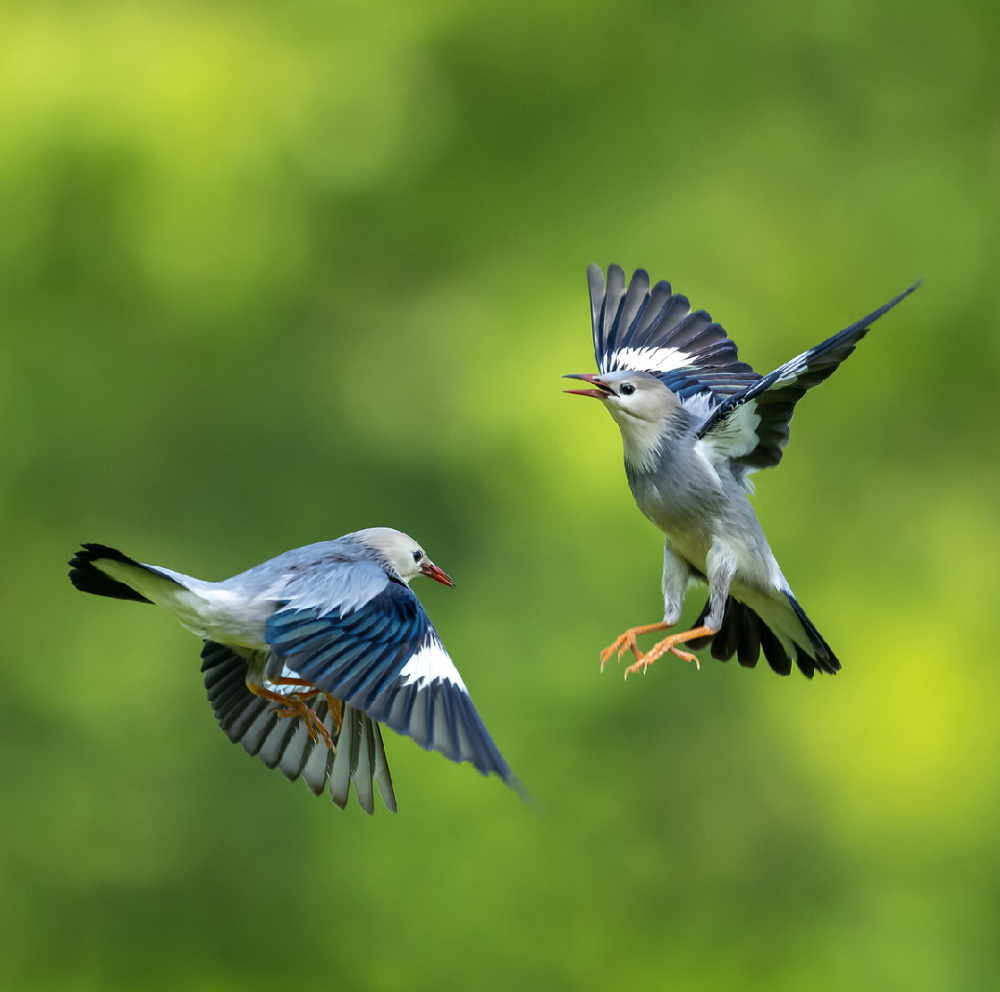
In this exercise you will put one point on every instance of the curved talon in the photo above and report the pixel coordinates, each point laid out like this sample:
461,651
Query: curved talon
289,712
627,642
310,719
318,724
643,663
669,644
292,705
688,657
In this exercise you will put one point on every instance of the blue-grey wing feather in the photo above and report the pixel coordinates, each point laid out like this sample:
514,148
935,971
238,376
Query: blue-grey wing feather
386,659
751,428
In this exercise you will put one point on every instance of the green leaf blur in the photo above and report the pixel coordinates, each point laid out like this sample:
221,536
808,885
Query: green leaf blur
275,272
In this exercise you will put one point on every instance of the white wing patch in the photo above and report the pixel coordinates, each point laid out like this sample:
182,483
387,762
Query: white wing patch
789,372
428,663
733,437
648,360
701,405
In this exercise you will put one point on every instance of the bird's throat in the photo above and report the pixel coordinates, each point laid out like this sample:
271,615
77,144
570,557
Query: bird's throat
641,441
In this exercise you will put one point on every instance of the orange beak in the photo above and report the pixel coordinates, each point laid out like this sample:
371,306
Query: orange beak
602,392
438,575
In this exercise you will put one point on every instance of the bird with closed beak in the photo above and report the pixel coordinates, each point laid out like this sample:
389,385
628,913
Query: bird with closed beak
696,423
307,654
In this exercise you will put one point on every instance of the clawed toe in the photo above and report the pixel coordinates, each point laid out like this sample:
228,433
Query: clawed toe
627,642
293,704
688,657
622,644
314,726
669,645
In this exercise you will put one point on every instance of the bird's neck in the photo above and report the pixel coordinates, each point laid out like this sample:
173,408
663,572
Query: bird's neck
644,440
641,441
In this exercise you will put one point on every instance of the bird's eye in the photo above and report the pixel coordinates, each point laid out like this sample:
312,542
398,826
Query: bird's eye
417,555
627,389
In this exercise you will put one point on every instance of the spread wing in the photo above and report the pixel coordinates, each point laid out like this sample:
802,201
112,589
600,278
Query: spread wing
751,427
645,330
385,658
251,721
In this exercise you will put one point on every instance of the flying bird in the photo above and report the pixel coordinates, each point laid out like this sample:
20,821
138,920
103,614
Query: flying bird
696,423
306,655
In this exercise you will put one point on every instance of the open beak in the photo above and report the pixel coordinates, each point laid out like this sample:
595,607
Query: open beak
438,575
602,392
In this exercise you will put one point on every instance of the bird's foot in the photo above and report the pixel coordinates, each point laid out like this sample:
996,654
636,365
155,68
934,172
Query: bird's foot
669,645
335,706
626,642
291,706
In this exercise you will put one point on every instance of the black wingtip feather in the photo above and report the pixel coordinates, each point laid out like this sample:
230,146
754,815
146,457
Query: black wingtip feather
87,577
865,323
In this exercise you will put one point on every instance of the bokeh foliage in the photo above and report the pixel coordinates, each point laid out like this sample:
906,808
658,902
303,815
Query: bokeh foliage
275,272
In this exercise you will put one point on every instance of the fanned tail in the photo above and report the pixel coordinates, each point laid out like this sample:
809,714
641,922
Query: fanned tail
745,634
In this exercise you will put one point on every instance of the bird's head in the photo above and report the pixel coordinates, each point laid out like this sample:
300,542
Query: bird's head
629,396
403,554
643,408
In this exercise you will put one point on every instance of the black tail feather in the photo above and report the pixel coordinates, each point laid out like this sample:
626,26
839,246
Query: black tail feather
777,656
749,645
826,660
744,634
87,577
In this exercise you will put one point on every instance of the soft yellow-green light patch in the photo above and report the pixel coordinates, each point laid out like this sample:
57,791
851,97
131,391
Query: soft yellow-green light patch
958,529
207,120
905,744
198,79
902,737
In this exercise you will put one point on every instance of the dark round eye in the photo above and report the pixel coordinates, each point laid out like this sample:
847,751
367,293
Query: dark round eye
417,555
627,389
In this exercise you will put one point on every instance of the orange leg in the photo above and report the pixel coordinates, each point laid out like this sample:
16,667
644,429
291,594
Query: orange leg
626,642
293,705
281,680
670,644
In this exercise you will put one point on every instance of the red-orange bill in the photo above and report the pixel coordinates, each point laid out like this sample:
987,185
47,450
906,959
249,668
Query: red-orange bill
598,394
438,575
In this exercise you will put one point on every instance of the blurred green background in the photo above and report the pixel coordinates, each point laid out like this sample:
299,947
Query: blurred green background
272,273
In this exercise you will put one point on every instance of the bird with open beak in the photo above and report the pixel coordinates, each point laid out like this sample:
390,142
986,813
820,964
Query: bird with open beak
308,653
695,423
